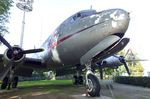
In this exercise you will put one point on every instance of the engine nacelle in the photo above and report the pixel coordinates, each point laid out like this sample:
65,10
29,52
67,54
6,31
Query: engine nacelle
14,55
111,62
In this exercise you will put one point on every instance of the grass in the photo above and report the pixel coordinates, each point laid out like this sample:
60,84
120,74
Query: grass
47,85
50,86
53,88
44,82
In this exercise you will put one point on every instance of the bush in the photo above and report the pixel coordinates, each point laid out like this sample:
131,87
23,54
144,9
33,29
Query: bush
137,81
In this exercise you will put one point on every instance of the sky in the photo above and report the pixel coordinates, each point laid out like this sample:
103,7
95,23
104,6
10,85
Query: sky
48,14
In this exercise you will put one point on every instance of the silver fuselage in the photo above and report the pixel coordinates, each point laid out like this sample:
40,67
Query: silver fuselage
82,34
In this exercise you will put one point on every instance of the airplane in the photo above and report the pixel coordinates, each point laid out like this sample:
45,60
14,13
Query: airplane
80,41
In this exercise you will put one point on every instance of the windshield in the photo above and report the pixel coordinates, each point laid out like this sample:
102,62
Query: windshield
83,14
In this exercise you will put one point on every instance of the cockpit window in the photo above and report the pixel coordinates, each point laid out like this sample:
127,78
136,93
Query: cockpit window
79,15
83,14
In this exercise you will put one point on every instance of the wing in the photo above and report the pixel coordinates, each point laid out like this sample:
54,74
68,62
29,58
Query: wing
30,64
22,69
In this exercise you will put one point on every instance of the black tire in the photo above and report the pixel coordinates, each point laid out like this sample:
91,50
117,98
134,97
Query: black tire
80,80
15,82
4,83
75,80
93,87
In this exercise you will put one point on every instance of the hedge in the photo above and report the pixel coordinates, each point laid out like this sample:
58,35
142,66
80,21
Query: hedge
137,81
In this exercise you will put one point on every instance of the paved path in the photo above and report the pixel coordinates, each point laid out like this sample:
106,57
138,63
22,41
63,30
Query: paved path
122,91
85,97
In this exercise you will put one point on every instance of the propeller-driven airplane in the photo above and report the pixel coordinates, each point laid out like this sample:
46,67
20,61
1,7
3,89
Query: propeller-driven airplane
79,42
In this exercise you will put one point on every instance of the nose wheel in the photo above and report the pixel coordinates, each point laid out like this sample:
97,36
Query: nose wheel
92,83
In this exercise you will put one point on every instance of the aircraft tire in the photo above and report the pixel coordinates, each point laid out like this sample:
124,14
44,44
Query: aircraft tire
15,82
80,80
75,81
4,83
93,87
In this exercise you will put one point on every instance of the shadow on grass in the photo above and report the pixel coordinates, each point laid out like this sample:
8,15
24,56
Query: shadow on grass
44,87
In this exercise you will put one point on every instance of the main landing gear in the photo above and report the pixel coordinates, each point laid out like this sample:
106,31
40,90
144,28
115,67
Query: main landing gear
7,84
78,78
92,82
10,80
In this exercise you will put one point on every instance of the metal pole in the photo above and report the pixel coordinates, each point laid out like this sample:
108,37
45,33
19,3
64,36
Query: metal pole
26,6
22,30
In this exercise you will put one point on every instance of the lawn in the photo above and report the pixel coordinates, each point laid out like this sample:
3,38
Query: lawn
47,85
50,88
44,82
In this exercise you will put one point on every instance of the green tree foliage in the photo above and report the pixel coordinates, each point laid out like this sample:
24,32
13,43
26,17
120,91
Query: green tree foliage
135,67
4,15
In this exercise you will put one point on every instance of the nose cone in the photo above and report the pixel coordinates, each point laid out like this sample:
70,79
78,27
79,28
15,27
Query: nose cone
120,20
119,15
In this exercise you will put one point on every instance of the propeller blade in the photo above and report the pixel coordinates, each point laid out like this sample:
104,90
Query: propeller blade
126,67
32,51
5,42
135,60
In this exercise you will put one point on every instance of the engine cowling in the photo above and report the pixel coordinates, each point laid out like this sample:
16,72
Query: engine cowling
14,55
111,62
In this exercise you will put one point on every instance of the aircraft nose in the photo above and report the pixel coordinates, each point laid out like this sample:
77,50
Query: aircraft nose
119,15
120,20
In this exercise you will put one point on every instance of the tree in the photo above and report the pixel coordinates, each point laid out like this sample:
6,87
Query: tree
135,67
4,15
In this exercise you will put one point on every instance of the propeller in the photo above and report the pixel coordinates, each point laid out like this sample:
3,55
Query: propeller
32,51
123,60
16,52
5,42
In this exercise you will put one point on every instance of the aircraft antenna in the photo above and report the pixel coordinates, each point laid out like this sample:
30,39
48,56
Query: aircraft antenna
91,7
25,6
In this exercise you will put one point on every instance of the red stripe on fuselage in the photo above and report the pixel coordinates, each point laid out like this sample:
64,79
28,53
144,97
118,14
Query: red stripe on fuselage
61,40
67,37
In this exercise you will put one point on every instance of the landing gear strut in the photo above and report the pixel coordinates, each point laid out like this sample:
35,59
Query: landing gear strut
78,78
6,83
10,80
92,82
15,82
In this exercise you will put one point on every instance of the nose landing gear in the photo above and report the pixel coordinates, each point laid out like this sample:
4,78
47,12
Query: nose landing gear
92,82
